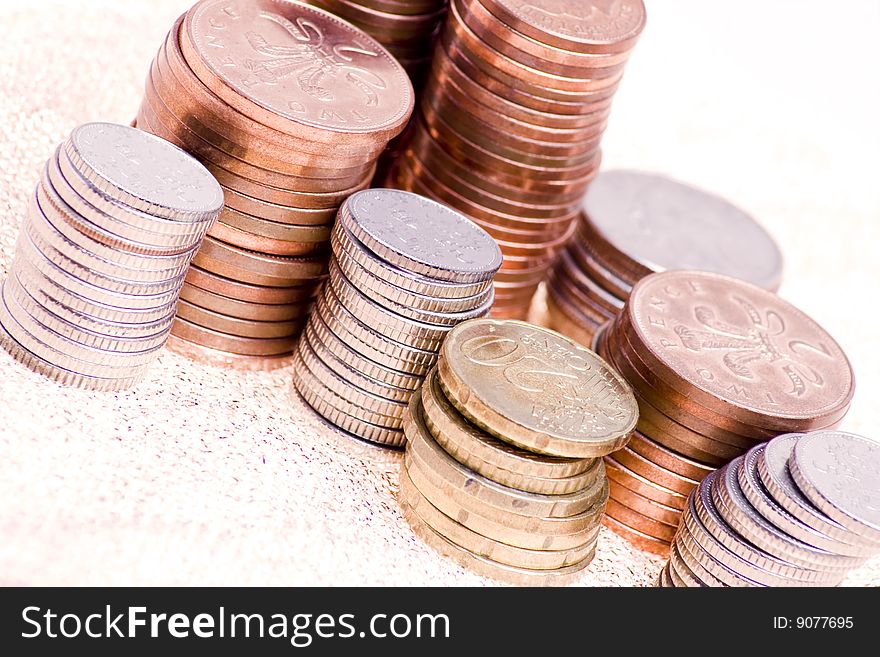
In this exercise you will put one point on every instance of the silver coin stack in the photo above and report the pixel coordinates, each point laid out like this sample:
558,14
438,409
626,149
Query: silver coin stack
801,510
405,270
102,254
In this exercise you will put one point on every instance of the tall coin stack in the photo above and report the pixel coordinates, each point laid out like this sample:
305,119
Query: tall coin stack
503,470
510,121
405,270
102,254
634,224
801,510
289,107
407,28
717,365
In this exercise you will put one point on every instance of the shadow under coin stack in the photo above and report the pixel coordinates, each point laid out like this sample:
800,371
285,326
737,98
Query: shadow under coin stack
289,108
801,510
407,28
503,470
405,270
634,224
717,365
102,255
509,125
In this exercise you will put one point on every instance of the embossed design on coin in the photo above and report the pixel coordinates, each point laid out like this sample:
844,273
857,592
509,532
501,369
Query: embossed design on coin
741,344
302,63
840,473
421,234
148,168
536,388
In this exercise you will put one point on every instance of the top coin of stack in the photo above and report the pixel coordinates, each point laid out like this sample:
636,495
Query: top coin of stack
509,125
289,107
502,470
112,227
407,28
405,270
634,224
801,510
717,365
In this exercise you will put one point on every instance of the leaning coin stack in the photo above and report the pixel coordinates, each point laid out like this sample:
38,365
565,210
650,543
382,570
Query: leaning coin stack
509,124
503,470
801,510
633,224
405,270
717,365
101,256
407,28
289,107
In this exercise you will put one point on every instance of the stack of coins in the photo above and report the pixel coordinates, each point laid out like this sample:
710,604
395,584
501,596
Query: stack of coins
801,510
289,107
101,256
717,365
407,28
634,224
509,124
503,470
405,270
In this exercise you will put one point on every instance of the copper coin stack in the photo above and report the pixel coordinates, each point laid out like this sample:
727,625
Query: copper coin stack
510,121
407,28
101,256
503,470
717,365
801,510
634,224
405,271
289,107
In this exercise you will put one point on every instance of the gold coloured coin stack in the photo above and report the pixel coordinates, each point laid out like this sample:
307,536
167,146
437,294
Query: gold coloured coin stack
635,223
503,470
801,510
407,28
510,121
289,107
718,365
405,270
101,256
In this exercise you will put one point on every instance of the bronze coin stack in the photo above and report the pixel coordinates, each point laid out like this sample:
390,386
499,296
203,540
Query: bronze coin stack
289,107
407,28
405,271
510,121
801,510
636,223
717,365
503,470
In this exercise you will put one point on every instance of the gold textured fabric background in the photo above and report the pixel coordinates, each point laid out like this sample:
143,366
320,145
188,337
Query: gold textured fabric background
213,477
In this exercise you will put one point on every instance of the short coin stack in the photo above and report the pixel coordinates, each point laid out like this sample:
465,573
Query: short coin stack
407,28
717,365
509,125
289,107
503,470
634,224
405,270
801,510
101,257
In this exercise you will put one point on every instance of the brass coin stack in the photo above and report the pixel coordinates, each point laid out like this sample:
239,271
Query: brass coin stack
510,121
717,365
405,270
633,224
289,108
503,470
407,28
101,256
801,510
